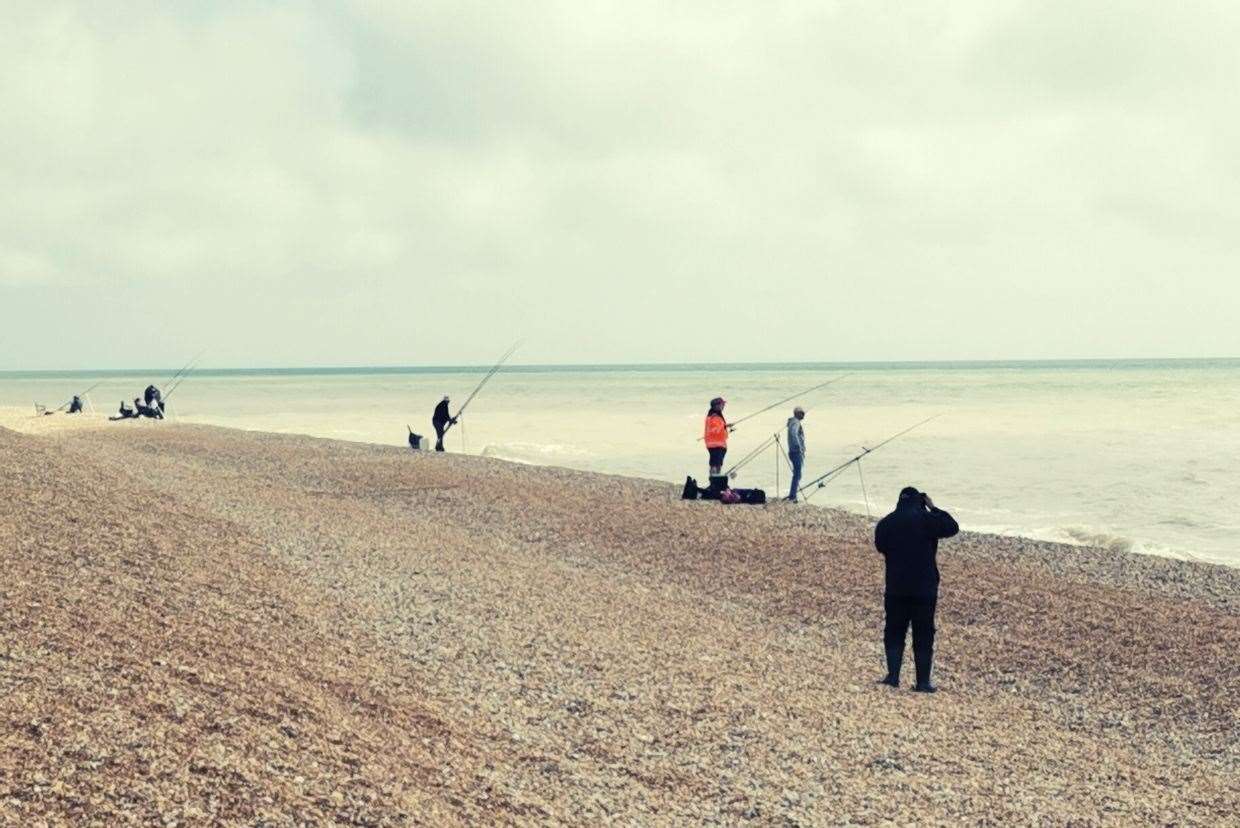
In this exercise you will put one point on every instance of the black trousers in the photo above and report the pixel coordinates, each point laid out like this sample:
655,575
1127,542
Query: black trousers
440,428
903,611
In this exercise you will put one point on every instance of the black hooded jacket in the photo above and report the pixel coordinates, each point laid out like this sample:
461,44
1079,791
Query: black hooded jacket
909,539
441,415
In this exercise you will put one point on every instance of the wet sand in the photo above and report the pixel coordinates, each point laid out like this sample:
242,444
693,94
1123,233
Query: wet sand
205,623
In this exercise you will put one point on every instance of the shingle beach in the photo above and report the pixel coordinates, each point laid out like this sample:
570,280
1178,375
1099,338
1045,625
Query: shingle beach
209,626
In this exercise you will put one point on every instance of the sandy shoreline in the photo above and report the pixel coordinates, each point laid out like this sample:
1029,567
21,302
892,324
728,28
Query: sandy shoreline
204,621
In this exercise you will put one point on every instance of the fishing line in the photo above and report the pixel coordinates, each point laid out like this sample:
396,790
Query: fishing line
735,423
784,452
487,378
182,375
778,448
864,493
780,452
751,455
83,394
175,386
831,474
186,368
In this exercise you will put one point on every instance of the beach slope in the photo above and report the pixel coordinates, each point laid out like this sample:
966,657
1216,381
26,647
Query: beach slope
204,623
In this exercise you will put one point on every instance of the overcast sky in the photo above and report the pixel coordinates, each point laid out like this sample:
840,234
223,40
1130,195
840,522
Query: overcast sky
423,183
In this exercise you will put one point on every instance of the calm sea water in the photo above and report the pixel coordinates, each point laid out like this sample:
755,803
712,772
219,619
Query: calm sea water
1138,455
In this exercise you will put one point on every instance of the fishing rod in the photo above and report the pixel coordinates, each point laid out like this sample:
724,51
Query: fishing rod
772,440
494,370
751,455
735,423
175,386
188,366
83,394
822,480
183,375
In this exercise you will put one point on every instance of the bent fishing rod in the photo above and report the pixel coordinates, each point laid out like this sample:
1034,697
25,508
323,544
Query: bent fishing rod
485,379
825,478
735,423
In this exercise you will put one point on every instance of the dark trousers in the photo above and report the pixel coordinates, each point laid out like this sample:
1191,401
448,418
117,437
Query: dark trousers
903,611
795,458
440,429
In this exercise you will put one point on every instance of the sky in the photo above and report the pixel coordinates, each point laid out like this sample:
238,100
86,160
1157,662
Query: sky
396,183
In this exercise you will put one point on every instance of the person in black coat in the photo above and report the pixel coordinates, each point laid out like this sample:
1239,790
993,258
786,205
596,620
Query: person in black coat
441,420
147,410
909,540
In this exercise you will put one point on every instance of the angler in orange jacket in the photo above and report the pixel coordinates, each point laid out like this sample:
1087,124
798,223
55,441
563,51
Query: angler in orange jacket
716,435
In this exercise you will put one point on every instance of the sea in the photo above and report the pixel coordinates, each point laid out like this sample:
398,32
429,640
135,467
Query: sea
1133,455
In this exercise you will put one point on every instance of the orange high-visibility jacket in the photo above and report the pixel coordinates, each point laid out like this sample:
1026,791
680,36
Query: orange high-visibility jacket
716,431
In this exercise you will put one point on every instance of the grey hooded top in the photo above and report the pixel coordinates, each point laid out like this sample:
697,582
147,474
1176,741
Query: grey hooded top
796,436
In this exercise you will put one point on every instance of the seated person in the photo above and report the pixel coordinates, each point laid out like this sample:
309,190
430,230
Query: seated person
126,413
147,410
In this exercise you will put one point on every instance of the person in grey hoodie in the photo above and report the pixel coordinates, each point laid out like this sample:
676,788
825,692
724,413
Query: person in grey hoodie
796,449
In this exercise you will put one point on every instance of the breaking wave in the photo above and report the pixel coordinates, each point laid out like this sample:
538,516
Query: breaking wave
1102,540
539,454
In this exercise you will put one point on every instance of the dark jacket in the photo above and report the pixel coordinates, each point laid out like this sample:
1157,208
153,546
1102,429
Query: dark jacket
909,539
441,415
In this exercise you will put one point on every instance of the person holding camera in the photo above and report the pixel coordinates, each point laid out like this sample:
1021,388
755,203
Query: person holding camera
908,539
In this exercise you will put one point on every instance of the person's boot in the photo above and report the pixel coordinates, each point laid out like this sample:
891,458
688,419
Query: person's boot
895,656
924,659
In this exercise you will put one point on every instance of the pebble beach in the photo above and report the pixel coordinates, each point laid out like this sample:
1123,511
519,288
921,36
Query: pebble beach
213,626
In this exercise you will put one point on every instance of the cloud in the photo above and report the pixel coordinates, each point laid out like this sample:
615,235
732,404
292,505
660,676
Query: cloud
397,182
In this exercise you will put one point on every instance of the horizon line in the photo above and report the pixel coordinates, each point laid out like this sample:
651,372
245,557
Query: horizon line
603,366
